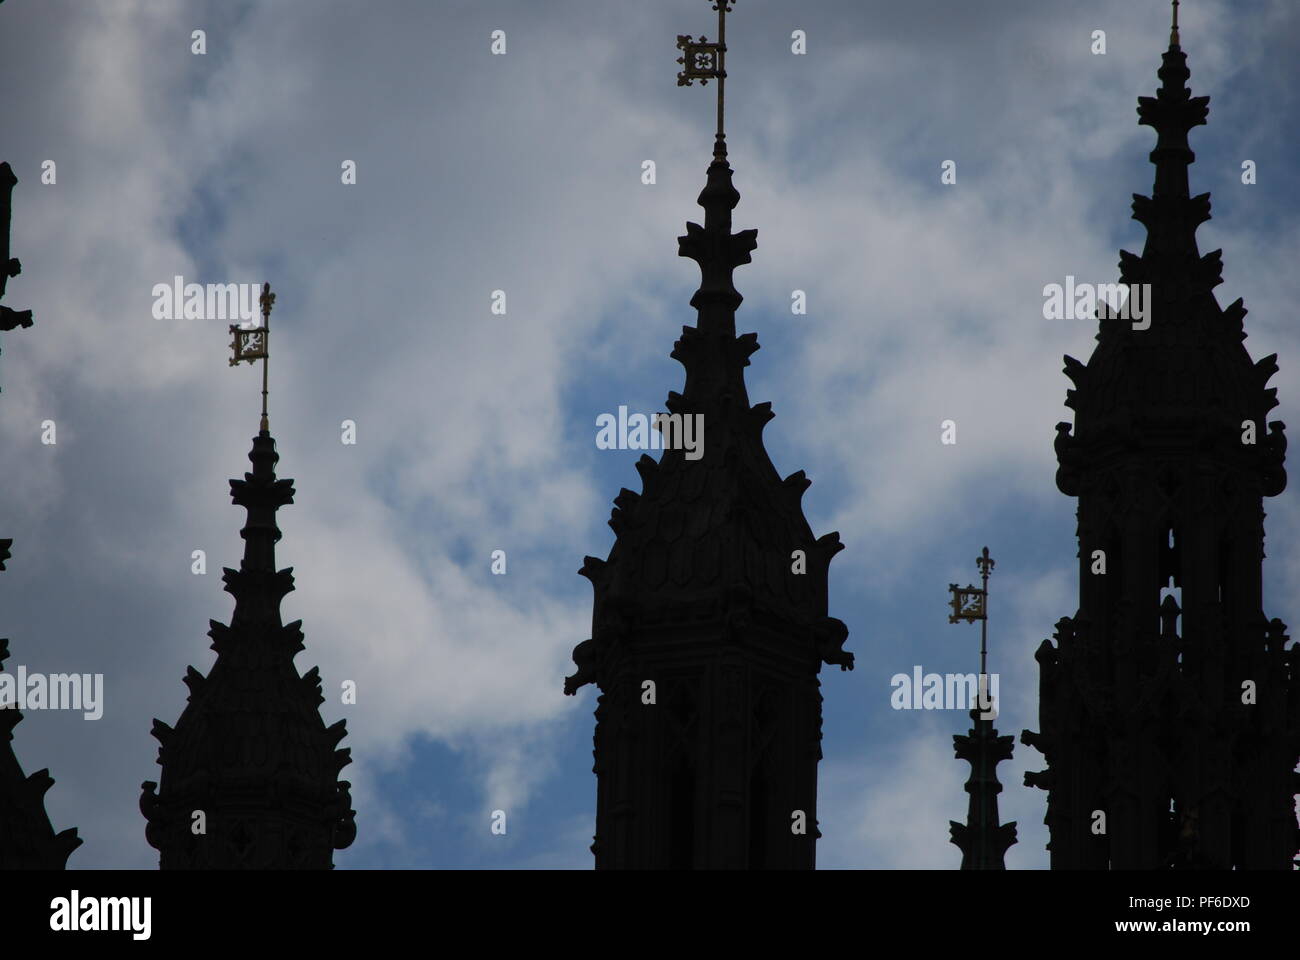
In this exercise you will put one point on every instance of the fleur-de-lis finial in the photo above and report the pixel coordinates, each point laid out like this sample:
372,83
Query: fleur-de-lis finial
266,301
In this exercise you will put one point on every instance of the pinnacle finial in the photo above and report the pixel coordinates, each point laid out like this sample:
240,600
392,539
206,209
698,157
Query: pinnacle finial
252,344
971,603
704,61
1173,31
266,301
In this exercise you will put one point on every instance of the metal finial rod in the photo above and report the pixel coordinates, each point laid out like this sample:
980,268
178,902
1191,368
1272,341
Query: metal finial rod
986,564
1173,31
722,6
266,301
250,344
971,603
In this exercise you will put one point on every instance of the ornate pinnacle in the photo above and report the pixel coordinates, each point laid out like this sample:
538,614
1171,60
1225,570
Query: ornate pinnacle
982,840
713,246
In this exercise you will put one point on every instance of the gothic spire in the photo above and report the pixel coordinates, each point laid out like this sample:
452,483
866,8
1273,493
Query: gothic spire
1171,355
1170,215
250,760
1170,724
746,517
982,840
713,602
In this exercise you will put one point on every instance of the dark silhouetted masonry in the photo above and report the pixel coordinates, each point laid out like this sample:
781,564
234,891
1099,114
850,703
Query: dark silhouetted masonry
1143,722
700,608
250,749
27,841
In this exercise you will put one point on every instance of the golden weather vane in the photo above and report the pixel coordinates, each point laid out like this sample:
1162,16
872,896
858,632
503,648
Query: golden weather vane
253,343
971,603
705,61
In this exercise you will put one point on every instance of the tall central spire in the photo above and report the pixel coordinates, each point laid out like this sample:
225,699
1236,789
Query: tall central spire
710,619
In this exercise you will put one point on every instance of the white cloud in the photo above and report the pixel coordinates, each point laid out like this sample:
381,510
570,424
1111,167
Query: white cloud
522,173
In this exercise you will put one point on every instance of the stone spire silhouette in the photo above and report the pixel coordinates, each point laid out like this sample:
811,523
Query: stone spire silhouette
1171,727
983,841
250,759
27,841
9,266
710,619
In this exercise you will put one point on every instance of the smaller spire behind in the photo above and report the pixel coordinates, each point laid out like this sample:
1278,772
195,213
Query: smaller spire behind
983,841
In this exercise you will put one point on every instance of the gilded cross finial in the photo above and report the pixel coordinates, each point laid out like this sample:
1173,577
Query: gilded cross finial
252,344
971,603
1173,31
705,61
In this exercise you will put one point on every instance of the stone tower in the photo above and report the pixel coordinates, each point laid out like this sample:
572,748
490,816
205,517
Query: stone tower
1170,703
710,623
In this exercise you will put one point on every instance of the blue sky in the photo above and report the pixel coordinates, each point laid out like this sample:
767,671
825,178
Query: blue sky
476,432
